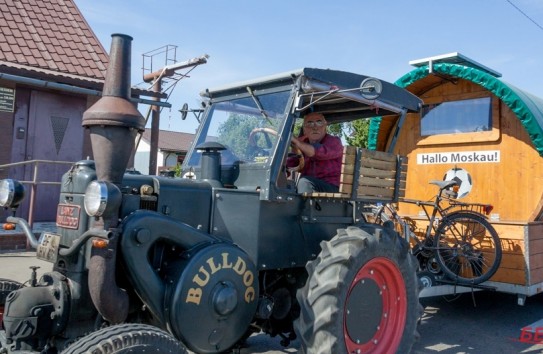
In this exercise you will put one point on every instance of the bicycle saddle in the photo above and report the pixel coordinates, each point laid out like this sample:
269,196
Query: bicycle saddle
445,184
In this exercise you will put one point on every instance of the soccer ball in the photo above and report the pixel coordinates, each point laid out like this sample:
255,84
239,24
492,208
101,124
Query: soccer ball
463,178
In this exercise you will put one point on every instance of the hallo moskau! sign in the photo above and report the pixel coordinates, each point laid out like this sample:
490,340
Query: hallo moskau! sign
488,156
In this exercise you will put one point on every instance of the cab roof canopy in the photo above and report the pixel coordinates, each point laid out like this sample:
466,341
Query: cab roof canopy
339,95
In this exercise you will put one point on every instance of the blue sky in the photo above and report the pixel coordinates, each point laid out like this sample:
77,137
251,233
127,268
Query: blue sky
247,39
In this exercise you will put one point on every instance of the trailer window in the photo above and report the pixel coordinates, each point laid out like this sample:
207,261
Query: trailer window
453,117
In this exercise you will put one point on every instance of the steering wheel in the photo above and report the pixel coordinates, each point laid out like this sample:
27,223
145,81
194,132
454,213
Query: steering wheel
257,150
266,132
295,152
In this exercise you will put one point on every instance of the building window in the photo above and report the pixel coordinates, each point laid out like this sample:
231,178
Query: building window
181,157
453,117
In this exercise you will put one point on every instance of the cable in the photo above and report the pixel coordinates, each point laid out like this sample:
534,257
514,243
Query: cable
522,12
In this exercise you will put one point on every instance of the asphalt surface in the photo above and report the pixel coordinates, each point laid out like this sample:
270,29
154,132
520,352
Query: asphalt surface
480,322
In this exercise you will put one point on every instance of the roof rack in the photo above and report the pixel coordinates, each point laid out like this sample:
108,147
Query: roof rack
453,58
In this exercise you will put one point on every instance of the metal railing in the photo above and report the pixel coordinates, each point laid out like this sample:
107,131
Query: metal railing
35,164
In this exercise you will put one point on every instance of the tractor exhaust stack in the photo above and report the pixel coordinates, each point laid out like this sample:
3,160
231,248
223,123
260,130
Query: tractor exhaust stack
113,120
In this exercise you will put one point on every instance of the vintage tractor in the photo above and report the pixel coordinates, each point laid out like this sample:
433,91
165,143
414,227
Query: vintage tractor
153,263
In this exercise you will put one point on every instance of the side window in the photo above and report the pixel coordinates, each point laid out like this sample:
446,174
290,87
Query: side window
453,117
457,121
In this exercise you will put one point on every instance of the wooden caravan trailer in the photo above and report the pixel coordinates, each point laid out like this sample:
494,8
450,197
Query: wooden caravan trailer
494,131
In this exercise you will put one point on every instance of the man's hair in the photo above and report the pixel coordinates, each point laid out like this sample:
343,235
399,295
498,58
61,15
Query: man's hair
314,114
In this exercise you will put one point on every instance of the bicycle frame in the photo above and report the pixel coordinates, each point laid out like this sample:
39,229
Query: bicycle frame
426,247
438,212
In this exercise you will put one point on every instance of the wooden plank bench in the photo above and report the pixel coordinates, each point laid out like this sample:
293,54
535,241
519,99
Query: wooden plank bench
370,176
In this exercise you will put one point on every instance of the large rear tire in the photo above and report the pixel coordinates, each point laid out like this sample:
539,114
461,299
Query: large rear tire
361,295
127,338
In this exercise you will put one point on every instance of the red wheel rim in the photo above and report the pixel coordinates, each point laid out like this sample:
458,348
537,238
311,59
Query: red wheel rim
387,278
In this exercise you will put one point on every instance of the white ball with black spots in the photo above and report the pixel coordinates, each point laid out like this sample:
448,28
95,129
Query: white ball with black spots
464,180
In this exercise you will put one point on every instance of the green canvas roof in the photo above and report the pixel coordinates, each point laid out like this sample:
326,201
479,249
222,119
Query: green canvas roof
527,107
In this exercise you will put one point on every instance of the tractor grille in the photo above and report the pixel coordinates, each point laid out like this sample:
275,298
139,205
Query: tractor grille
148,202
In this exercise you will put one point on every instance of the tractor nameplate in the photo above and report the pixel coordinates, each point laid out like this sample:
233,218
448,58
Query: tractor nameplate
68,216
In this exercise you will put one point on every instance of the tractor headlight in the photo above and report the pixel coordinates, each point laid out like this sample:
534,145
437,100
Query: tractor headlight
101,198
12,193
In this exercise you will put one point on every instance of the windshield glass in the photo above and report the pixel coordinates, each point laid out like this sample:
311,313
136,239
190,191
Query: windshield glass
248,134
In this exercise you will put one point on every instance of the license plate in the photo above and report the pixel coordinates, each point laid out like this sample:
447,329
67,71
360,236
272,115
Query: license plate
48,247
68,216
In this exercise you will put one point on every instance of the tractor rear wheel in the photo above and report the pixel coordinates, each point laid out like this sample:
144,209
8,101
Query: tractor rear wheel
127,338
361,295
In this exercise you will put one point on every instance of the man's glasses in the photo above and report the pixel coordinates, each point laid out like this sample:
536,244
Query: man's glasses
313,124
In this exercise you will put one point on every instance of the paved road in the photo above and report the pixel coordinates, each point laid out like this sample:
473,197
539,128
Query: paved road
482,322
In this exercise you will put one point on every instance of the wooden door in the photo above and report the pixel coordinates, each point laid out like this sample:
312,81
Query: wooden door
55,134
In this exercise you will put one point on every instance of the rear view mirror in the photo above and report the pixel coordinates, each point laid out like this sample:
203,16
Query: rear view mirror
184,110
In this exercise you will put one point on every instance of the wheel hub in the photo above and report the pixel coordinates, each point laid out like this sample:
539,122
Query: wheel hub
376,308
363,311
225,298
218,288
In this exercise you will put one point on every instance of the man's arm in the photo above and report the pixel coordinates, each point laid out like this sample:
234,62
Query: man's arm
306,148
330,148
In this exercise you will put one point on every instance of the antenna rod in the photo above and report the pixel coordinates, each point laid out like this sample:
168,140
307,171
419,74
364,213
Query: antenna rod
169,70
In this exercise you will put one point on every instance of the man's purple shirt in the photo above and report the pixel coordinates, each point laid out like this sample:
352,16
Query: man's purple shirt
326,163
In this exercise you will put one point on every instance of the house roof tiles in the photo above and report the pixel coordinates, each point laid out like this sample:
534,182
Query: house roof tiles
171,141
58,29
51,40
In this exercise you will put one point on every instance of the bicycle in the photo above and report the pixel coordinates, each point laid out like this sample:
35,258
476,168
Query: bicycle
458,243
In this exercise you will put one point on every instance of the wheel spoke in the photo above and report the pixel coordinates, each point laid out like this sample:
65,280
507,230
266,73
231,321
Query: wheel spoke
467,248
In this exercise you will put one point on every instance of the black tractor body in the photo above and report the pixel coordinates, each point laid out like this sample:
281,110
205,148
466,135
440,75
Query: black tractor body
229,248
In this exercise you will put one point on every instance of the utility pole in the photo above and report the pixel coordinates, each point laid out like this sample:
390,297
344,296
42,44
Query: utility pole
156,78
155,130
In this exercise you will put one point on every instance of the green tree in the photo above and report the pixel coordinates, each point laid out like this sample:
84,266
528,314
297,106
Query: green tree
336,129
357,133
235,131
177,170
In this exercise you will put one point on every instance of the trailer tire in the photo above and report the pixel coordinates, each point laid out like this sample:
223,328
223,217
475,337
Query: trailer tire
362,295
127,338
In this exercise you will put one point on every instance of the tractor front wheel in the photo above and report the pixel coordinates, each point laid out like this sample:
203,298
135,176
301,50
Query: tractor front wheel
127,338
6,287
361,295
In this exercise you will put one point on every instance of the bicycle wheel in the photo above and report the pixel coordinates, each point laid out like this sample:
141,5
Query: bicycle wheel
467,247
